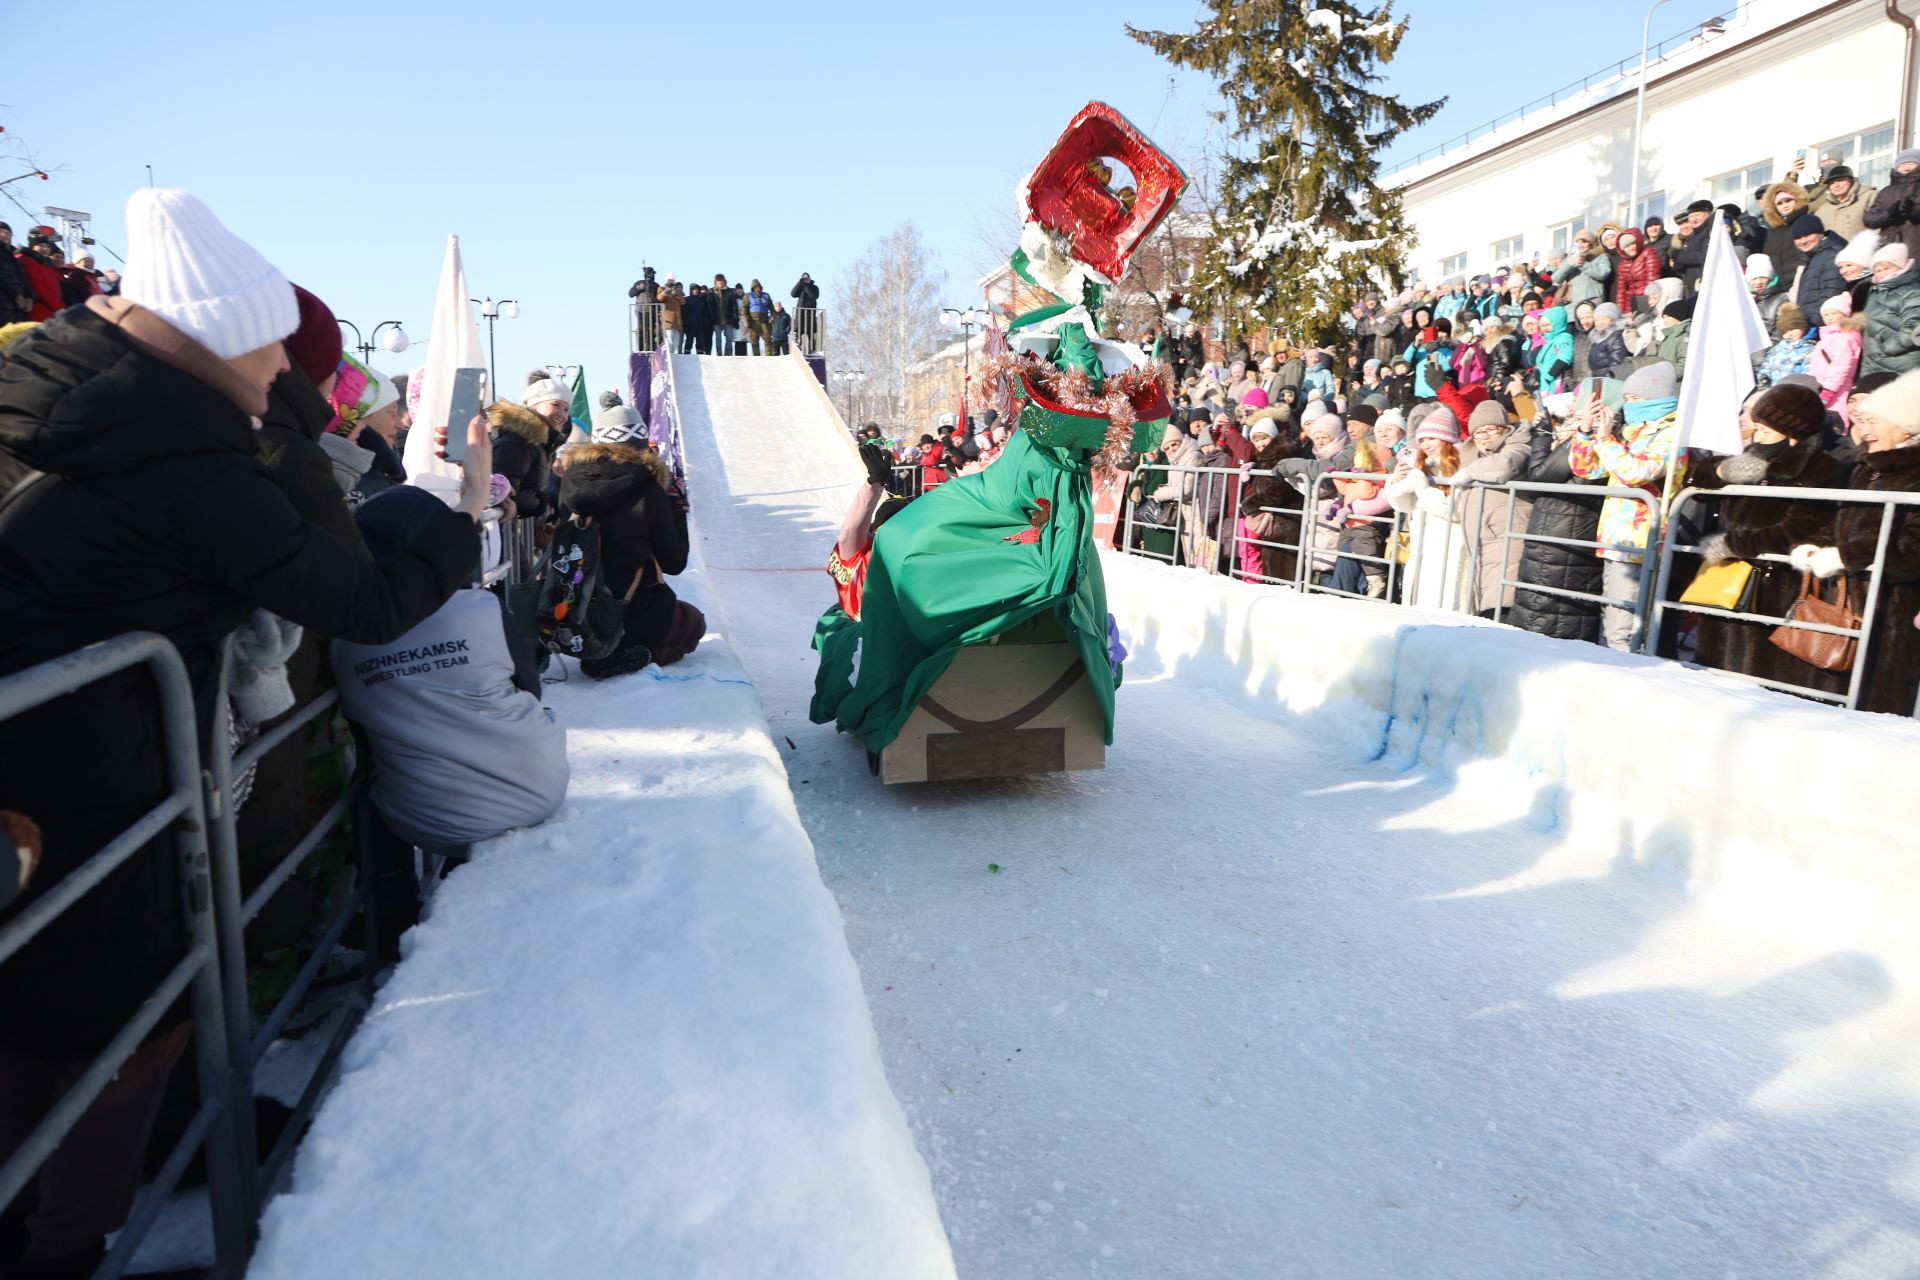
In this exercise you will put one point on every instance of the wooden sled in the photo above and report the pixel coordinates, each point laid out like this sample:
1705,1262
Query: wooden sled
1019,704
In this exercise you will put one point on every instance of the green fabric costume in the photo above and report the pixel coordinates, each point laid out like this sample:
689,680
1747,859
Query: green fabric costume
951,570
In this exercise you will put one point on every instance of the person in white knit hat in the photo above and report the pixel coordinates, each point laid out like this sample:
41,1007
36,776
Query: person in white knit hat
137,502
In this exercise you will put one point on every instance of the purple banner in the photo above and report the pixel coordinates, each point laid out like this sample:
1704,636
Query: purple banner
639,384
663,416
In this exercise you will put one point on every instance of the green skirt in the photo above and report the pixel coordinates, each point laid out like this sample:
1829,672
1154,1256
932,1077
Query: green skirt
947,572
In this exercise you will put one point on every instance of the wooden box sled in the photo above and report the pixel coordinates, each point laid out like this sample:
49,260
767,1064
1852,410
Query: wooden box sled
1017,705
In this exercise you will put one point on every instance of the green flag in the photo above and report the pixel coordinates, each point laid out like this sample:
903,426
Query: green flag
582,411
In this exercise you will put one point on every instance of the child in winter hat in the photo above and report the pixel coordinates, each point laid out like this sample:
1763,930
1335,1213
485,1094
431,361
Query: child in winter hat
1836,356
199,277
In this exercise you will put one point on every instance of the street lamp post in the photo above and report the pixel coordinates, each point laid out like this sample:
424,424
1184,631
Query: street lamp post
505,309
1639,119
850,377
395,342
964,323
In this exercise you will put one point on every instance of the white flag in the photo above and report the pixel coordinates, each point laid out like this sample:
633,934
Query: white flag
454,344
1727,330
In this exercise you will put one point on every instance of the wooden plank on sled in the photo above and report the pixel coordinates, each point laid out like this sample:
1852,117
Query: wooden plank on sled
1022,705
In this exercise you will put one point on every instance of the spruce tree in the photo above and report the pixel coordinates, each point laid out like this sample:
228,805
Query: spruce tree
1301,226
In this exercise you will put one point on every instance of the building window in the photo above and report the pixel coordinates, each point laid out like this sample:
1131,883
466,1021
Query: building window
1651,206
1508,251
1561,237
1737,188
1868,153
1453,266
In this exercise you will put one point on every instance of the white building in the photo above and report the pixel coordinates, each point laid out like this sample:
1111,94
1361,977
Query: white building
1727,110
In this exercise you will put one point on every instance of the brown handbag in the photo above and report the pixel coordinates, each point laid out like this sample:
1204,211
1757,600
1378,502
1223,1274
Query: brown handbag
1818,648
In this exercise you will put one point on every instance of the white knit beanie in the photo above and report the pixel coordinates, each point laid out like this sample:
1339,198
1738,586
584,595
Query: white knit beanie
1860,250
199,277
546,391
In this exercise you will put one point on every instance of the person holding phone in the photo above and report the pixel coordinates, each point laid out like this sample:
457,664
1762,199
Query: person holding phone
132,419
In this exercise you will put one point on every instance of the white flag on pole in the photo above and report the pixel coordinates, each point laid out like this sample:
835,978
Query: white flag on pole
454,344
1727,330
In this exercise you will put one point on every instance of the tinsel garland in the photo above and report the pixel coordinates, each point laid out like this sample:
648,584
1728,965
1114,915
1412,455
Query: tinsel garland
998,385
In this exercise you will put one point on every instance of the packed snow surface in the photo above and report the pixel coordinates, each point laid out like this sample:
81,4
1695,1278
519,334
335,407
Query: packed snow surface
1386,945
629,1042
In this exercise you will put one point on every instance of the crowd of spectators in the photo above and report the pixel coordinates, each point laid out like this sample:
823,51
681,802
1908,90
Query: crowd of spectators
1568,371
189,450
728,320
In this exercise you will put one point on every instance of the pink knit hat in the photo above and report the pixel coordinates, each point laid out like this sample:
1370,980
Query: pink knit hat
1439,425
1896,253
1256,398
1841,302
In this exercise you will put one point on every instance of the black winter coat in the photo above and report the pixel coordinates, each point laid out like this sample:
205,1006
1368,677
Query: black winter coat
158,516
273,818
1895,212
696,313
523,449
1546,564
1821,279
805,293
1762,526
1503,361
1892,677
1690,259
12,285
642,529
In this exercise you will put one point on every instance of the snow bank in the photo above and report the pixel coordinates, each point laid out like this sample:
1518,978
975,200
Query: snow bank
628,1042
1797,816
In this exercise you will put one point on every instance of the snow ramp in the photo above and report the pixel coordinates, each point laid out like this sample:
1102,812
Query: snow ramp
632,1041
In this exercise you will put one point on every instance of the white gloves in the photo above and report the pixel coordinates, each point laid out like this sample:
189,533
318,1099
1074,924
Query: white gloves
1821,562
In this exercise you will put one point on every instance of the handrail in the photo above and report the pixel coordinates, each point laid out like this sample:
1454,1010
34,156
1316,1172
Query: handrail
1655,55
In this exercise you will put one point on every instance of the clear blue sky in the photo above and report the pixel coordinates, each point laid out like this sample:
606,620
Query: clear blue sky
568,143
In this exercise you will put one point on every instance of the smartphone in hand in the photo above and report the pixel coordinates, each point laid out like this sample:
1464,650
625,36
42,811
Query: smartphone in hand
469,391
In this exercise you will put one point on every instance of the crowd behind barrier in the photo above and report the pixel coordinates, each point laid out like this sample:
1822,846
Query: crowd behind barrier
722,319
342,694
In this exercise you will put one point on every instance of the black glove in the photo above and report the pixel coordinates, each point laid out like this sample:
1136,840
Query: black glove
879,465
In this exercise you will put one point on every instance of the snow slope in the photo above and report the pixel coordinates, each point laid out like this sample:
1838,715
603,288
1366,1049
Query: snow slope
1264,998
628,1042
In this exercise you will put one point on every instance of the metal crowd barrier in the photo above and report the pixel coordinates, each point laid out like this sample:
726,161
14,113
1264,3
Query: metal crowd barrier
908,480
808,336
1650,605
646,326
229,1045
247,1044
1388,559
1655,534
1863,634
200,971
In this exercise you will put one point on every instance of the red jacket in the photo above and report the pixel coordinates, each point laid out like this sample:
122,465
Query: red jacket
932,472
42,281
1631,276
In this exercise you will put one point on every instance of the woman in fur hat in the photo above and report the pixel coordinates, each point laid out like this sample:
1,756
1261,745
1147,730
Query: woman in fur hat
623,485
1887,425
1782,203
1785,453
